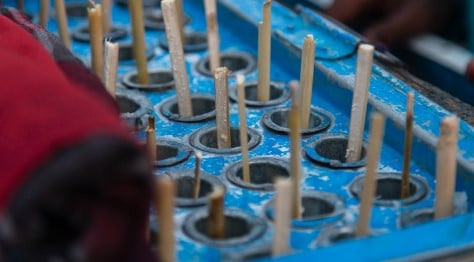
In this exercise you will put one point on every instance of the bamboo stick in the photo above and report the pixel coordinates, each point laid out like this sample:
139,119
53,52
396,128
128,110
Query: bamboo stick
61,18
44,13
197,174
175,45
165,190
180,19
446,167
407,147
222,107
216,226
306,79
282,217
106,15
370,179
243,128
295,161
359,102
138,34
212,34
151,139
264,53
111,54
96,39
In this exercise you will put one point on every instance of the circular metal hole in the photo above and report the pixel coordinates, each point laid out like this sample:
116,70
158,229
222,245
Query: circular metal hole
170,153
154,20
278,94
116,33
389,188
205,139
319,208
126,53
204,108
146,3
330,150
416,217
240,228
76,9
134,108
278,118
159,80
236,62
195,42
185,183
263,172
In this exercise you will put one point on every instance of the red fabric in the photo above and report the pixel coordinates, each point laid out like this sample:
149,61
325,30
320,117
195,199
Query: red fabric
41,110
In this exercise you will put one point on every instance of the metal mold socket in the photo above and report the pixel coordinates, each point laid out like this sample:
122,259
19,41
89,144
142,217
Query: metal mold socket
240,228
195,42
126,53
319,208
416,217
389,188
263,172
236,62
171,152
205,139
134,108
154,20
330,149
116,33
277,120
159,81
278,94
335,234
204,109
185,181
146,3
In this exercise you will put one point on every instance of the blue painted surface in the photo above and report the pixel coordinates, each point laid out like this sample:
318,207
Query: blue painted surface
334,78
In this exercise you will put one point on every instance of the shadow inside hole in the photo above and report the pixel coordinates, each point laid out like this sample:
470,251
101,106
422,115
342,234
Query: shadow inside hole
281,118
335,149
236,62
158,80
251,92
235,227
209,139
164,152
200,106
126,105
342,236
233,63
264,173
391,188
126,52
316,207
194,42
76,9
185,185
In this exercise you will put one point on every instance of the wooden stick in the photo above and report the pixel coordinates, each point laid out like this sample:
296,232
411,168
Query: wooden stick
175,45
221,86
295,138
282,217
306,79
165,190
243,128
180,19
264,51
359,102
370,179
197,174
212,34
44,13
106,15
407,147
151,139
216,226
61,19
96,39
138,34
446,167
110,67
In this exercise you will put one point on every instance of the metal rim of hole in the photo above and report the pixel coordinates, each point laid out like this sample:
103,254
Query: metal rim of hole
335,234
279,93
248,61
154,20
256,228
416,217
116,33
311,151
138,118
195,140
146,3
320,121
332,202
180,152
199,102
210,180
126,53
195,42
159,80
280,164
77,9
419,189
